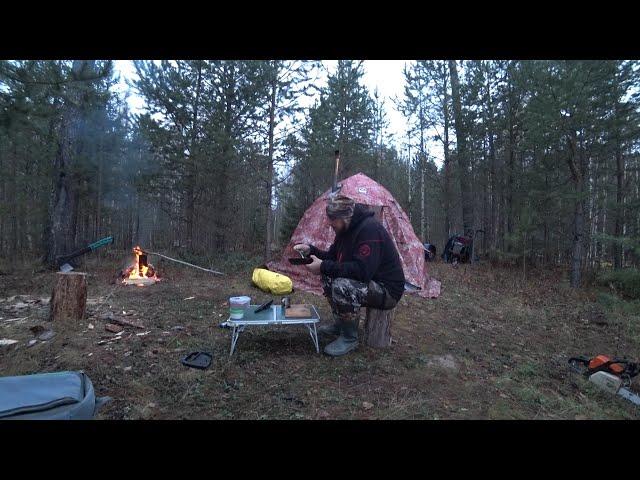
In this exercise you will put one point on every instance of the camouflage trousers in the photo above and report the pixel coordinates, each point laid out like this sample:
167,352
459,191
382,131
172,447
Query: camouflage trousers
346,295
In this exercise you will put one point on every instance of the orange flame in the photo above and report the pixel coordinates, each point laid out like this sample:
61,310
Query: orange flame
137,271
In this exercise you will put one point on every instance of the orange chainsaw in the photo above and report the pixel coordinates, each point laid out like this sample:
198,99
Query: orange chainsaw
620,367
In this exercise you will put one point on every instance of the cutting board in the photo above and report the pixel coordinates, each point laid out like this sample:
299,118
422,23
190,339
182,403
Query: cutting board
298,311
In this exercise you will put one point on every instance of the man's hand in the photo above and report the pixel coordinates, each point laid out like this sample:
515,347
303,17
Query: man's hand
302,248
314,267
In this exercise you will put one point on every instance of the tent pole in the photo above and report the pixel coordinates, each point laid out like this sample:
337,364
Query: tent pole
335,174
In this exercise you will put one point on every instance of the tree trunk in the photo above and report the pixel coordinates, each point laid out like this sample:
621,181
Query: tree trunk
64,207
14,208
510,160
423,237
69,297
63,214
98,219
422,205
578,216
462,153
269,199
447,167
3,198
192,164
603,249
619,212
377,328
491,181
409,178
510,175
578,225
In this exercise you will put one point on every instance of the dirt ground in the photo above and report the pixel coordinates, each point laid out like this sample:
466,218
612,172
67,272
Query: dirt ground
491,347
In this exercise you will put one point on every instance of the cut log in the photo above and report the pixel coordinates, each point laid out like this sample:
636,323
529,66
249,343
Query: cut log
69,297
377,328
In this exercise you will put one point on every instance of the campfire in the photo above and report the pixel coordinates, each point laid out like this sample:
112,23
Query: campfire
141,272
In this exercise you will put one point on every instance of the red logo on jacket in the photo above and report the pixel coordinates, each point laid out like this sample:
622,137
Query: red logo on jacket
364,250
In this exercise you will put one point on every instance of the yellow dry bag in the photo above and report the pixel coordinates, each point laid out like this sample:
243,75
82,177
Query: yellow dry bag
272,282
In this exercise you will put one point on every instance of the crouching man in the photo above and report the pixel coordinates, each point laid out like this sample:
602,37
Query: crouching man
361,269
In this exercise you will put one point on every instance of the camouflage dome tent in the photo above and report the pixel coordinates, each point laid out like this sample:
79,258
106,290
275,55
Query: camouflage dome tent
314,228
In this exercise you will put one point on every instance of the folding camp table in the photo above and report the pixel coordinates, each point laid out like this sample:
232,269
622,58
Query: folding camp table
273,316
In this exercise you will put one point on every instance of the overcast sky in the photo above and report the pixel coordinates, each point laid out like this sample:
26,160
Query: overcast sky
385,75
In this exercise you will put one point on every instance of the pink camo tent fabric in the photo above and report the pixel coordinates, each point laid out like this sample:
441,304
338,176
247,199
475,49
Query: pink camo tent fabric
314,229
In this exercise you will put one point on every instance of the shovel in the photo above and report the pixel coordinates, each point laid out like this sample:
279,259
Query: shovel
66,267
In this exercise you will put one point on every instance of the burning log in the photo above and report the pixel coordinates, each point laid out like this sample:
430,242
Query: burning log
69,297
141,272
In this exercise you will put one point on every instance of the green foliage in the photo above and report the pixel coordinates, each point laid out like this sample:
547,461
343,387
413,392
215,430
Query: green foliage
343,118
628,243
626,282
222,139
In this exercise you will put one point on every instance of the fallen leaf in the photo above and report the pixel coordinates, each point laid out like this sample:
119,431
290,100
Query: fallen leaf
367,405
90,326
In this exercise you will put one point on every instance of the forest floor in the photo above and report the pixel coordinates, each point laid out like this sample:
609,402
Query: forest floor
493,346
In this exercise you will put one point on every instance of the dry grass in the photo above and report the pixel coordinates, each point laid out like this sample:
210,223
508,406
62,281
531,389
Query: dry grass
509,340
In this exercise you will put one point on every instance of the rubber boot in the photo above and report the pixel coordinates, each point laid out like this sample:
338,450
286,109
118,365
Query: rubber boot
333,329
348,339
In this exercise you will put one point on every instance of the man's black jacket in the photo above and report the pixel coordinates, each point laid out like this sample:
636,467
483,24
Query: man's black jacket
364,252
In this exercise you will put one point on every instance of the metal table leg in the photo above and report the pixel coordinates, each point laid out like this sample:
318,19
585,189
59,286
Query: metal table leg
314,336
235,333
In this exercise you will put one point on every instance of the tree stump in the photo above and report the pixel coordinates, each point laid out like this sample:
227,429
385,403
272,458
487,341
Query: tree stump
69,297
377,328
